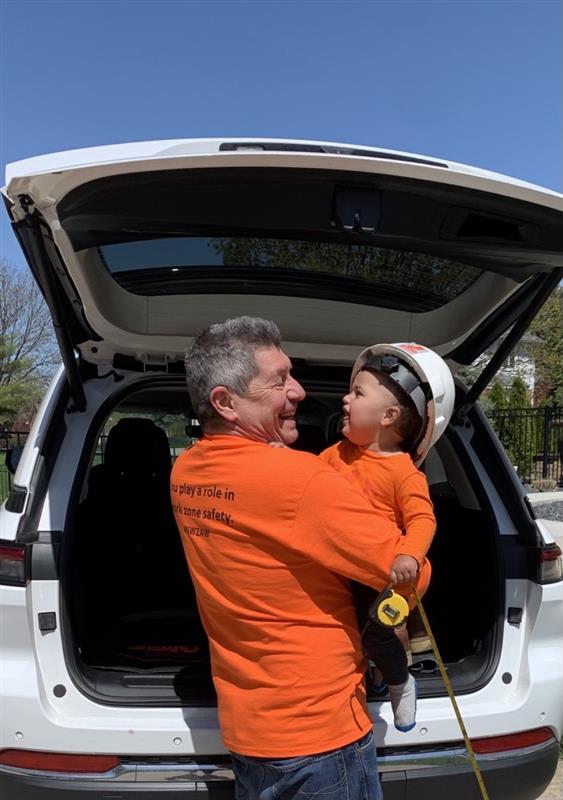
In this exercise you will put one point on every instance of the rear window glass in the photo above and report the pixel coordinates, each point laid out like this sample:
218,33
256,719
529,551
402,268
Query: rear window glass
396,278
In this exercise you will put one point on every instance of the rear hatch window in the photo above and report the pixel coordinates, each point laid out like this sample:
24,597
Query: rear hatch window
397,278
393,243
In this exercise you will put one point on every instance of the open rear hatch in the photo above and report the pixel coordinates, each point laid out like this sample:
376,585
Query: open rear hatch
137,247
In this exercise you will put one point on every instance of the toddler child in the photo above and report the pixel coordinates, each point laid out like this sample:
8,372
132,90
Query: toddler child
400,401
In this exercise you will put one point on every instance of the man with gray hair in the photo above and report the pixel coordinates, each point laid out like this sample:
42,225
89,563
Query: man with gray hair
272,537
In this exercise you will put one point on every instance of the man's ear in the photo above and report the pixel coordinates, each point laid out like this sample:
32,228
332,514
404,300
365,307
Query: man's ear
392,414
222,401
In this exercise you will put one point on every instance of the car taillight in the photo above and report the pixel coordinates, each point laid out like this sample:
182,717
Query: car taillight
512,741
57,762
550,564
13,565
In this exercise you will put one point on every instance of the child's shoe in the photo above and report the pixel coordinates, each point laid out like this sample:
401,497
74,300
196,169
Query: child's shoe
403,703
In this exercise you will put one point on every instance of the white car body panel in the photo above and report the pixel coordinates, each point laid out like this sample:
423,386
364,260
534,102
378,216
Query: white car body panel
76,724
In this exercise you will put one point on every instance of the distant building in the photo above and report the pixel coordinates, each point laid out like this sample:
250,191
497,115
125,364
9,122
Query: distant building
519,364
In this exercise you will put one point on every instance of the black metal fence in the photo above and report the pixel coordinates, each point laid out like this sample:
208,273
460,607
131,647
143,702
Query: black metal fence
533,439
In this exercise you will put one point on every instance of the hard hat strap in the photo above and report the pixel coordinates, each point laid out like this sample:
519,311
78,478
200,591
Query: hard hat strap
404,376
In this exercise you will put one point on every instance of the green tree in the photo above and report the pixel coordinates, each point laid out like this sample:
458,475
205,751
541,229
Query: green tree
547,351
28,353
518,394
497,396
521,430
517,431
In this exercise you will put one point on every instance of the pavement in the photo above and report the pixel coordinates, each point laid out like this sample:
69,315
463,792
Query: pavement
548,506
545,497
554,527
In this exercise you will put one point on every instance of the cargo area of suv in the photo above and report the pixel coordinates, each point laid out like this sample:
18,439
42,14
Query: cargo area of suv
134,630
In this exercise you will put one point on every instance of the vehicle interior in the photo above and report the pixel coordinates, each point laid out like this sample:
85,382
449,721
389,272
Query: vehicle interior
133,633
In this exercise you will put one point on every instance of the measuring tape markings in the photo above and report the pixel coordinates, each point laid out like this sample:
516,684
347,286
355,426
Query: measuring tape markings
390,610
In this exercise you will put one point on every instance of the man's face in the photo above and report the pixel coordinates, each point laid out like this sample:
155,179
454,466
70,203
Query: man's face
267,411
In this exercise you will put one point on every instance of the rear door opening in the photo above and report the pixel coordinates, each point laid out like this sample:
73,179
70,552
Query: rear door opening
133,633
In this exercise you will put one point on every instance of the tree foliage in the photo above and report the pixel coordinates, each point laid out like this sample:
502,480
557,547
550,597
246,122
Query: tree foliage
518,394
547,351
28,353
497,396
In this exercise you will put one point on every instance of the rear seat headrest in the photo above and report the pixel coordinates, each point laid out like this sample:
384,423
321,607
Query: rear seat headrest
137,446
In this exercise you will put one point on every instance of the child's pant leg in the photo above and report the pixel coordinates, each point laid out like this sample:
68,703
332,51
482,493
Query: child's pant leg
384,648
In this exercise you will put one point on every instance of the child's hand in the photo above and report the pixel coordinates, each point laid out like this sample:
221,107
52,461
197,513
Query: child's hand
404,569
276,444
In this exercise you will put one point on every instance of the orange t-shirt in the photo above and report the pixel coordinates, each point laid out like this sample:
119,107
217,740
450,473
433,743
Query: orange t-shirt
271,536
395,488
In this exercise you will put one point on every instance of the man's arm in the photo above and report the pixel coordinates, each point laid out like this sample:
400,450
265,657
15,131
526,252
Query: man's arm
338,528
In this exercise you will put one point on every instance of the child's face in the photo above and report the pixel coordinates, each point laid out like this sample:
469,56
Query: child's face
367,408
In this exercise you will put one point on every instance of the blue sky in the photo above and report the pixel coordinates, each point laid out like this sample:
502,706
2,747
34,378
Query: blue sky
472,81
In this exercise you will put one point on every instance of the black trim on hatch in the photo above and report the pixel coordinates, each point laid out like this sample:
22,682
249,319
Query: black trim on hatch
32,233
276,282
49,446
341,150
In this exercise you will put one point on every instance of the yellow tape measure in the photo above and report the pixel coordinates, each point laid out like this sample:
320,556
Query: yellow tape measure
389,608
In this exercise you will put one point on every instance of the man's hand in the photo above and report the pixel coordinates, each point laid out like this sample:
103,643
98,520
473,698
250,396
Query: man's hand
404,569
276,444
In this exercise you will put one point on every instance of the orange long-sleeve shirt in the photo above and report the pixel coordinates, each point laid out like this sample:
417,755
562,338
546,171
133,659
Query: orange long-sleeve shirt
395,488
271,537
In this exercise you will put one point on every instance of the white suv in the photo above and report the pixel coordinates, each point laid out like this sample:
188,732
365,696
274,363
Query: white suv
105,681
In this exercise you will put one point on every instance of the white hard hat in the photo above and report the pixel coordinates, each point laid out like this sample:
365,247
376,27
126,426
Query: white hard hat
424,377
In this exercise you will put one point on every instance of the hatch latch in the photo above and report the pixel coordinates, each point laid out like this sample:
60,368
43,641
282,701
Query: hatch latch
154,363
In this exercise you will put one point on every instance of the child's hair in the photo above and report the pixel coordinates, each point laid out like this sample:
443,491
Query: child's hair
409,422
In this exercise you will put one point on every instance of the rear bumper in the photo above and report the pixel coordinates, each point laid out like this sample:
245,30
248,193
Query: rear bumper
516,775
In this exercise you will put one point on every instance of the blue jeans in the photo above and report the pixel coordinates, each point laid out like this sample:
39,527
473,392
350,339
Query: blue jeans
349,773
